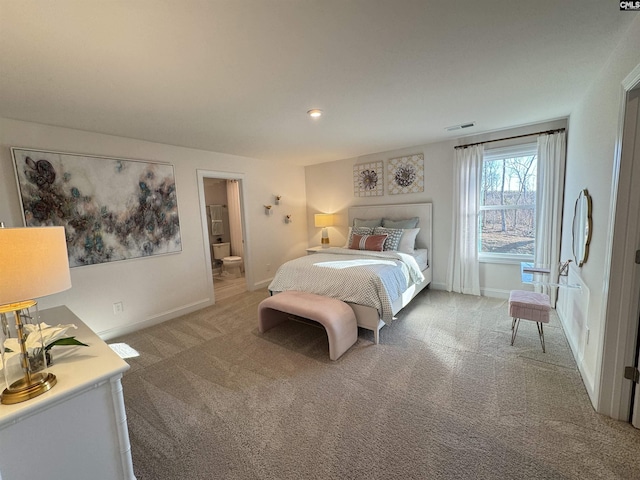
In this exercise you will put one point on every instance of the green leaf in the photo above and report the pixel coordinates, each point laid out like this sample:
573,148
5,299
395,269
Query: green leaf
65,341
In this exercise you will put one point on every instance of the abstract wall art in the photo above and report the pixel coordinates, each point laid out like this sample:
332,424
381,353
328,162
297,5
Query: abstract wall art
405,174
112,209
367,179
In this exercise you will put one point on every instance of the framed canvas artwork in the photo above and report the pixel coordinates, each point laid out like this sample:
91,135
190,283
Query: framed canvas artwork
112,208
367,179
405,174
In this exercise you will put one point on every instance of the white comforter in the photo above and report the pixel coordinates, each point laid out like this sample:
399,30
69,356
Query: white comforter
373,279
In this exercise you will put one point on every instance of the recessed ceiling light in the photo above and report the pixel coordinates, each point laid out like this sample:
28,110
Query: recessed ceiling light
315,113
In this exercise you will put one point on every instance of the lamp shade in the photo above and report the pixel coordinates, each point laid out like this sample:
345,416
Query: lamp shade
323,219
33,262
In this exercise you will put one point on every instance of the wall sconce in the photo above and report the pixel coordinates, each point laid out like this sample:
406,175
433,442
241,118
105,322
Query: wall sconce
278,197
324,220
34,264
267,209
287,219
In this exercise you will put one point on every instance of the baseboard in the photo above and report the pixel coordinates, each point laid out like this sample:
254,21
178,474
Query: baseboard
156,319
495,293
588,385
262,284
485,292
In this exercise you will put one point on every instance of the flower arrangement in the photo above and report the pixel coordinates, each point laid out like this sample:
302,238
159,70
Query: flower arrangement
51,336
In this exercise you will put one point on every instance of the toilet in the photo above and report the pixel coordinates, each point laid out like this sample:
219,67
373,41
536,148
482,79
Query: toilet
231,265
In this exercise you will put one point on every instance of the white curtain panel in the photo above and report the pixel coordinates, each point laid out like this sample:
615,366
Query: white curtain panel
550,191
235,219
463,274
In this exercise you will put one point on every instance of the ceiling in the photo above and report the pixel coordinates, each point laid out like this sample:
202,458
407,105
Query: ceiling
238,76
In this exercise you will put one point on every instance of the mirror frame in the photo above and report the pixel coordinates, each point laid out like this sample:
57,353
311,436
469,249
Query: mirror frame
581,216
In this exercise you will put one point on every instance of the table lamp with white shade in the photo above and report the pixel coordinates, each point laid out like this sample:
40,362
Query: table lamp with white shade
34,264
324,220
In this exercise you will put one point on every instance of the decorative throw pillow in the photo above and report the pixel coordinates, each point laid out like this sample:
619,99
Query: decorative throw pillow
360,222
393,237
408,240
358,231
406,223
368,242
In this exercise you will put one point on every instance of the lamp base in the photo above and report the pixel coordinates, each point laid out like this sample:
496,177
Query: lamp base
324,241
23,390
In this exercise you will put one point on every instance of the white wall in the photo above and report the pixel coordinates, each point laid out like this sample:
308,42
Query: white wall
157,288
330,190
590,164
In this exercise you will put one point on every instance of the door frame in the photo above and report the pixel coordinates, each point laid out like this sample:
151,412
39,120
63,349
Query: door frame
620,310
240,177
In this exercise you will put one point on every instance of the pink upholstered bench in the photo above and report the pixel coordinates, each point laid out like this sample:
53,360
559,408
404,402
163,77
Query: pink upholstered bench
334,315
529,306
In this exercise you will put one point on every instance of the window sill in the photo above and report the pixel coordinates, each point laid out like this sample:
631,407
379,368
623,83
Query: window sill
504,259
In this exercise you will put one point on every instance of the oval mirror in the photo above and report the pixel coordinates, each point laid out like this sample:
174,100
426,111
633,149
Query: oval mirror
582,227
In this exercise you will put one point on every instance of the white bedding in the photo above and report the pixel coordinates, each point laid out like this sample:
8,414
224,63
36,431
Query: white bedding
368,278
421,256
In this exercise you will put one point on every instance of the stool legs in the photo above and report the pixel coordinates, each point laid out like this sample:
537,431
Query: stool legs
514,331
541,334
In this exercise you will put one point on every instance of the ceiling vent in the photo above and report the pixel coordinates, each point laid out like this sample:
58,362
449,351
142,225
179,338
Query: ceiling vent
461,126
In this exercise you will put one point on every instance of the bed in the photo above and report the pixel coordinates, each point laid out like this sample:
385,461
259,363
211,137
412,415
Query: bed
375,295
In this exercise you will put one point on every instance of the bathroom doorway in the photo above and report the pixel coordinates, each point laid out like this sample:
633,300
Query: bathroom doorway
224,232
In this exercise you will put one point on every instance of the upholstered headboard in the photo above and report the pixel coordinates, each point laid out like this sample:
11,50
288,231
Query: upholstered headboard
400,212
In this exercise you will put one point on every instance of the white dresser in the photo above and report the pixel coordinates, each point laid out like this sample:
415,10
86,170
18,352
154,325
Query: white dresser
78,429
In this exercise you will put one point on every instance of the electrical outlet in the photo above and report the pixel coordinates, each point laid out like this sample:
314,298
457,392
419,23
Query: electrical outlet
268,267
118,308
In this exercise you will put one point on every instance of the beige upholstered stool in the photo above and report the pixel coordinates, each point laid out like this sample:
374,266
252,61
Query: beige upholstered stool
529,306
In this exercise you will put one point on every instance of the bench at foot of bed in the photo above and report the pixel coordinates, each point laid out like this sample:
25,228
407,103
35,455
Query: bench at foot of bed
334,315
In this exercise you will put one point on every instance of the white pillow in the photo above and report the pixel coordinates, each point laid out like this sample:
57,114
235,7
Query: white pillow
408,240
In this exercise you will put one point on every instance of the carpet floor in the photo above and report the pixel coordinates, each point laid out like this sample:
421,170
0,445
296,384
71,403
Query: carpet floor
443,396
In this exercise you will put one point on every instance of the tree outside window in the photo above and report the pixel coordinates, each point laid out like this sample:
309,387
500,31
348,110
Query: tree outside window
506,222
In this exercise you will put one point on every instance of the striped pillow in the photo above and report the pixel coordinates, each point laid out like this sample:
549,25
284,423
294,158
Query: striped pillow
367,242
357,230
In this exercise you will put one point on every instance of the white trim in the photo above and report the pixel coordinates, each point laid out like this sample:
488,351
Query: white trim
495,293
156,319
508,258
613,394
202,174
525,149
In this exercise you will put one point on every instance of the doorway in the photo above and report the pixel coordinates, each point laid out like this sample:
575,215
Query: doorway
631,142
223,232
623,297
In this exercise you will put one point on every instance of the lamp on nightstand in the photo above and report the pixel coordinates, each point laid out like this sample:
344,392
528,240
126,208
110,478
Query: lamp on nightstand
34,264
324,220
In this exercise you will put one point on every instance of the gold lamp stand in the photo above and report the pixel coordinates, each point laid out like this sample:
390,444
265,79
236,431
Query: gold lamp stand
31,384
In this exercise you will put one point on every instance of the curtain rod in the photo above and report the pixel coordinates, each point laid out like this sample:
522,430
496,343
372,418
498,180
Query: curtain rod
548,132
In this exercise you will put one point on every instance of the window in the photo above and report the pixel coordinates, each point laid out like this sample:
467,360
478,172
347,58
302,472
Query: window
506,220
